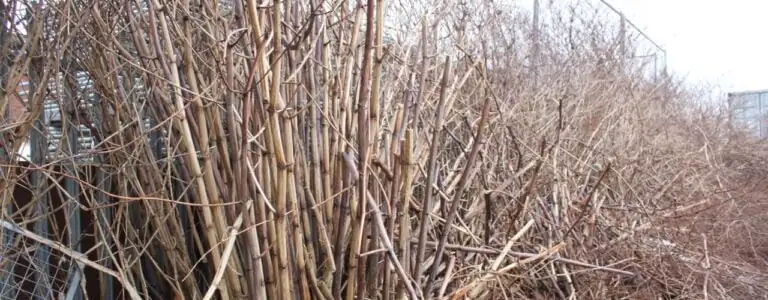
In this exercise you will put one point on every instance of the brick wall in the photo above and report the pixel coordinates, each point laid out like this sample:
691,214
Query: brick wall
14,112
15,108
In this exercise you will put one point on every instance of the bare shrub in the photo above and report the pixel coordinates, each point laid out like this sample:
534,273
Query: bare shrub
318,150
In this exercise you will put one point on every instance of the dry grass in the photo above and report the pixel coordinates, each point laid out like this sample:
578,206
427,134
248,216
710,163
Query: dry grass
294,155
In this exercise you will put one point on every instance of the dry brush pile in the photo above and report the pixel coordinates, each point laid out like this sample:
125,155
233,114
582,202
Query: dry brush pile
303,150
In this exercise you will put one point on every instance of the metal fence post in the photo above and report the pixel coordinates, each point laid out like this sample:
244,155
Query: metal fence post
622,35
104,215
73,191
38,146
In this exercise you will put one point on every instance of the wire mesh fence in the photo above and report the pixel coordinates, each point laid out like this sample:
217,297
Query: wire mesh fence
630,44
749,111
32,270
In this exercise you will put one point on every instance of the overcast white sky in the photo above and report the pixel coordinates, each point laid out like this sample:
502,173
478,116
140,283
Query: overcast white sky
718,42
708,42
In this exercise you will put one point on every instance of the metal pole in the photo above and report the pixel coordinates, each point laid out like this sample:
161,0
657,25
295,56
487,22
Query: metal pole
103,184
38,149
73,191
629,22
7,240
105,217
622,35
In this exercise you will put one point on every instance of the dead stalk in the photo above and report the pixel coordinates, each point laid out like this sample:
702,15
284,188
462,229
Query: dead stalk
426,204
315,150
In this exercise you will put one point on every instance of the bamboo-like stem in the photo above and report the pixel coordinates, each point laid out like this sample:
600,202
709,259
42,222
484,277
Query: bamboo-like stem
363,151
261,150
417,105
256,282
392,209
466,175
404,211
227,252
298,234
373,123
327,155
279,148
212,219
342,148
378,220
205,154
426,204
320,177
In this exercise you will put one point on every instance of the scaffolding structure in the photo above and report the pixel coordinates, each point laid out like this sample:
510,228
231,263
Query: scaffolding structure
31,267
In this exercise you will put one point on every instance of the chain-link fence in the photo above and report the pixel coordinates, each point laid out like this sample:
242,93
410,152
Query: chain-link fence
749,111
32,270
635,48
